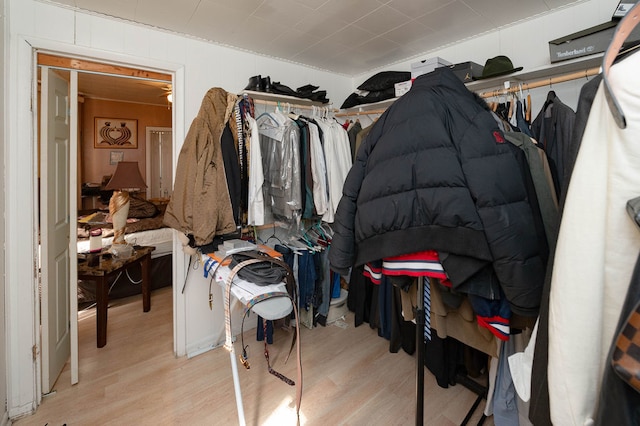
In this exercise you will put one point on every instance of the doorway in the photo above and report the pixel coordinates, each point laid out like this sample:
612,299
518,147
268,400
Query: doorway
102,90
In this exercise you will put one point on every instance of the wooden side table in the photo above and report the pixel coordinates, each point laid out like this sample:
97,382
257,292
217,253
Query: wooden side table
108,266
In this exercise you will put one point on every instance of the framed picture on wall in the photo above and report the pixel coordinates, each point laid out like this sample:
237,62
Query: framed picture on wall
116,157
115,133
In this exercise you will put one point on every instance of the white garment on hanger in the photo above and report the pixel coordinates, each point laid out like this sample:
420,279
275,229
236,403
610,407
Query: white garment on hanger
318,171
338,160
255,214
521,365
596,251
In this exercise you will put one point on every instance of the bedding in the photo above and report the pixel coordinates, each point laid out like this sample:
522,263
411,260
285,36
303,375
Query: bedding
145,231
144,227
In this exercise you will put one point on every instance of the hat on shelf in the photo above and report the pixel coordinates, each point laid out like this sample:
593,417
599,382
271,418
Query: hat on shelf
497,66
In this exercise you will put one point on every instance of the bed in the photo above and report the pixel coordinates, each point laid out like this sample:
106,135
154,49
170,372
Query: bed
146,231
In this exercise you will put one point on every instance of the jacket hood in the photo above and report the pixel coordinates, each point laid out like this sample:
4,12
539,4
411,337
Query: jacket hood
443,77
216,108
440,77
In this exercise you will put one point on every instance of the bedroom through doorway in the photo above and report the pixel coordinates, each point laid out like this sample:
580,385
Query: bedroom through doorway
117,95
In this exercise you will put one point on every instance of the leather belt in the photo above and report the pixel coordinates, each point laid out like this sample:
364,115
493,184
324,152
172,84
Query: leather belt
296,336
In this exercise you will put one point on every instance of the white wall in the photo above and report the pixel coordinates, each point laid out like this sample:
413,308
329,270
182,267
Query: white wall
198,66
3,334
526,44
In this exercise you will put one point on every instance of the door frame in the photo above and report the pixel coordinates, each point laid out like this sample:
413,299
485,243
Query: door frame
148,131
21,216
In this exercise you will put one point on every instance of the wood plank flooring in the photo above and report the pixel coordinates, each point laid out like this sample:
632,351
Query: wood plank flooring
350,378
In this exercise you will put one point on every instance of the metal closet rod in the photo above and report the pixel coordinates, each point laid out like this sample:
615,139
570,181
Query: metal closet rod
541,83
370,112
292,105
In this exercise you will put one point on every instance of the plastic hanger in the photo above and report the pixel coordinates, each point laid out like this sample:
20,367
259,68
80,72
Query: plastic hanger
290,113
551,96
271,117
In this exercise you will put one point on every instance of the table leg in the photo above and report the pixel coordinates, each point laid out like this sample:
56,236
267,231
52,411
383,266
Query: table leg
102,304
146,283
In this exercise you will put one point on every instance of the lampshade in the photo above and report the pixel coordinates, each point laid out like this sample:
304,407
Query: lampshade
127,176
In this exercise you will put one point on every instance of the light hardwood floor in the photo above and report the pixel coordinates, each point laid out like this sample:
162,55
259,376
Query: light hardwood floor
350,378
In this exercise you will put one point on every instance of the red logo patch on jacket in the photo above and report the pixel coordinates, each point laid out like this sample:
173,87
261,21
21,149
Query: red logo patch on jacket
498,137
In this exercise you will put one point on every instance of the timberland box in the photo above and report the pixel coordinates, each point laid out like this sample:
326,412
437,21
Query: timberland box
588,42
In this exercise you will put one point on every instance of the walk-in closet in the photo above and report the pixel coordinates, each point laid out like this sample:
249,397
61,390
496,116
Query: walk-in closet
380,212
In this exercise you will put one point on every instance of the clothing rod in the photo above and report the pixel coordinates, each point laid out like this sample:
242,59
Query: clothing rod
371,112
544,82
283,104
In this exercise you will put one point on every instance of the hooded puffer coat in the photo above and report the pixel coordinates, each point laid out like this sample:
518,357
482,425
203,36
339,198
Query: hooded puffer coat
436,173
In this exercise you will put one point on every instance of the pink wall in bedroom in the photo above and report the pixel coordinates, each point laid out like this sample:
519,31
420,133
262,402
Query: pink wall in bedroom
95,162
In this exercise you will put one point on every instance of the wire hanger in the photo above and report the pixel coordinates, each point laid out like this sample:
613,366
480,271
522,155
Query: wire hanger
274,236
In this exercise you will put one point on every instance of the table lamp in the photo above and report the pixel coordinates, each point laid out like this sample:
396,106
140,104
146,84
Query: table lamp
126,178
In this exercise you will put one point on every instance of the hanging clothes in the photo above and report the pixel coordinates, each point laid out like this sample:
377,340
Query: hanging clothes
403,194
539,408
200,207
359,138
618,402
280,148
521,122
552,128
593,269
337,160
255,213
306,178
543,182
318,171
353,135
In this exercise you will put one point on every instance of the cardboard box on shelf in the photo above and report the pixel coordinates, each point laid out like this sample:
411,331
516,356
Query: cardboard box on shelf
582,43
402,87
426,66
590,41
467,71
623,7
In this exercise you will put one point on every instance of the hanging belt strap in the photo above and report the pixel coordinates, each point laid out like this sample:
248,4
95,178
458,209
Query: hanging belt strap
296,336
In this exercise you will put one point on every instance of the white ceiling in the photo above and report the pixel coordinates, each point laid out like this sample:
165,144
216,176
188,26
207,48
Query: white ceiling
125,89
349,37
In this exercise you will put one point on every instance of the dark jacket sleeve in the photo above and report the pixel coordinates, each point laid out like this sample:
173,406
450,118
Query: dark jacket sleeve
343,247
495,181
342,254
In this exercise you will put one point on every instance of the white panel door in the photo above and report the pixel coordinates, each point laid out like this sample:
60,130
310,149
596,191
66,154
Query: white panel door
54,224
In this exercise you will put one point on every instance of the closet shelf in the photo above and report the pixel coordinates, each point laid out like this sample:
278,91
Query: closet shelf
275,98
547,71
367,108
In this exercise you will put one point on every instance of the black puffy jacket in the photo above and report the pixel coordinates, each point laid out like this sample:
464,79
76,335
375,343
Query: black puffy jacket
436,173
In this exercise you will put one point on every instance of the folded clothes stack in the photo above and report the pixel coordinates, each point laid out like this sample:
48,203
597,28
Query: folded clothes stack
257,83
376,88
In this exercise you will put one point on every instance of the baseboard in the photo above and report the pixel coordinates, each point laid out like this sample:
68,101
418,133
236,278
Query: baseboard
204,345
22,411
